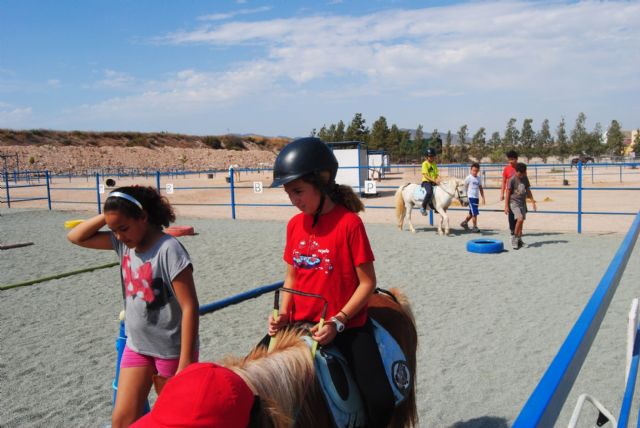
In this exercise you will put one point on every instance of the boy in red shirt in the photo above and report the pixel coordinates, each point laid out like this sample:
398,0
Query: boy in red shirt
328,253
508,172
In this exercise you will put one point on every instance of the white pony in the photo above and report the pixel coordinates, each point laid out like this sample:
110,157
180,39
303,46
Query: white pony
443,194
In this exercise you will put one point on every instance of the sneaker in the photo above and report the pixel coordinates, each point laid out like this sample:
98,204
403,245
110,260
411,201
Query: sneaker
464,225
475,229
521,243
514,242
423,211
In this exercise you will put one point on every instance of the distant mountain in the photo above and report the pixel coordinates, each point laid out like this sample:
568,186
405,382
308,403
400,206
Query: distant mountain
39,137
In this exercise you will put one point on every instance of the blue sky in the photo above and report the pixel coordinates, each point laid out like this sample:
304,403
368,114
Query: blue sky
286,67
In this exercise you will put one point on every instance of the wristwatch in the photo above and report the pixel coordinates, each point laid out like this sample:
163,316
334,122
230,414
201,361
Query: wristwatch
339,324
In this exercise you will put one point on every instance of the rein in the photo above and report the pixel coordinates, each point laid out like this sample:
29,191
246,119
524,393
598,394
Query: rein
454,194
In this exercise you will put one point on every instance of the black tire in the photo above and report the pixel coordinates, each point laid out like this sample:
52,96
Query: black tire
485,246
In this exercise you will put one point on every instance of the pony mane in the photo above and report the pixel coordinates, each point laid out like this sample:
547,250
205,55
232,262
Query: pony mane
449,178
282,378
403,301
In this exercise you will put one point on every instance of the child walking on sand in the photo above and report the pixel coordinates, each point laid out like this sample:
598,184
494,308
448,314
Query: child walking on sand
473,186
327,252
160,299
518,189
508,172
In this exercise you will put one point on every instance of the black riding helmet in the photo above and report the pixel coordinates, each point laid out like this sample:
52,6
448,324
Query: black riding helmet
430,152
302,157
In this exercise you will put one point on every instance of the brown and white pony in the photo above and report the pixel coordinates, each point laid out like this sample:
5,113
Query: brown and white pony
284,378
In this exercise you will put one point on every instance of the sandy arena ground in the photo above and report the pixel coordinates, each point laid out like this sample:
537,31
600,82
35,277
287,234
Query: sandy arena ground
488,325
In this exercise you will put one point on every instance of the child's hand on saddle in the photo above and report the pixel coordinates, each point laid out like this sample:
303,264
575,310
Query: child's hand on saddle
324,335
276,325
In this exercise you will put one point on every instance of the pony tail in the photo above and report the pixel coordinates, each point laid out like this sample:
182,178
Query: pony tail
344,195
159,209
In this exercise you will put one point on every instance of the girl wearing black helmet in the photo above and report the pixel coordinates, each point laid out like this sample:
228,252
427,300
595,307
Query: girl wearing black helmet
328,252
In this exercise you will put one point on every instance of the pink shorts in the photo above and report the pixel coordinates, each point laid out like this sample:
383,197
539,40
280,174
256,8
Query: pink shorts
165,367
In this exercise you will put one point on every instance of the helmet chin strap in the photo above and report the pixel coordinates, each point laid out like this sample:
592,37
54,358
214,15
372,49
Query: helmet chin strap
316,215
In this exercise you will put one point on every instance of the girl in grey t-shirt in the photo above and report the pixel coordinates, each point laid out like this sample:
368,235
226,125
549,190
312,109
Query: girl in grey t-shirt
160,298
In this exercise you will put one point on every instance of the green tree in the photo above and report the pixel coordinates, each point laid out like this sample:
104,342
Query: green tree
324,134
511,136
357,130
463,148
406,148
615,139
331,132
495,148
435,141
418,142
580,136
544,142
447,150
393,141
527,139
595,142
339,135
379,134
313,133
562,147
636,142
478,147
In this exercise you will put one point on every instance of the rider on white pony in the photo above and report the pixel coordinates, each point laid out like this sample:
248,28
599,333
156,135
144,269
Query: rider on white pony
430,178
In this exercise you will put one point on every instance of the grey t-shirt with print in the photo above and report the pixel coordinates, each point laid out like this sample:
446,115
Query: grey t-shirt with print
517,188
153,315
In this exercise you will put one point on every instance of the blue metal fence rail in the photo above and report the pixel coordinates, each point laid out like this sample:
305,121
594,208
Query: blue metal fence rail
232,187
625,410
544,405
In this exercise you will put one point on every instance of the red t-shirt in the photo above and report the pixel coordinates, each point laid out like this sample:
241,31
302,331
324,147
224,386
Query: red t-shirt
324,259
507,173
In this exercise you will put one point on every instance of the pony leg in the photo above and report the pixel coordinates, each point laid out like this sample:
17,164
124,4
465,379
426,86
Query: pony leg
411,228
444,222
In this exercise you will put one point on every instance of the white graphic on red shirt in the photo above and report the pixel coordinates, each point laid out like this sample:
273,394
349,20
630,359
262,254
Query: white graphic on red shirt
138,283
309,255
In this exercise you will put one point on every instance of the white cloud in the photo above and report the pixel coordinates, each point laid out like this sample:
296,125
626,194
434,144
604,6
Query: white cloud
12,116
543,51
467,46
229,15
54,83
115,79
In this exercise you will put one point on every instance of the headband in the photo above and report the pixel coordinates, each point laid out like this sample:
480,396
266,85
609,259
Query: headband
127,197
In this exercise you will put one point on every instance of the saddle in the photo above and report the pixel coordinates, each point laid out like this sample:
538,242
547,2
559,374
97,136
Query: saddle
339,388
419,195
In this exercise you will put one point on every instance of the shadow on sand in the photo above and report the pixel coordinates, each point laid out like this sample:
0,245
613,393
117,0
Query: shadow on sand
482,422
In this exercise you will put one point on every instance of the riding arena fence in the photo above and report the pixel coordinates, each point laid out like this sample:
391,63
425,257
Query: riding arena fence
545,403
233,192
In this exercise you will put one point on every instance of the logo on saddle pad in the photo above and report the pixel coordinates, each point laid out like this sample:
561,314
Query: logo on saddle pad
339,387
419,194
401,376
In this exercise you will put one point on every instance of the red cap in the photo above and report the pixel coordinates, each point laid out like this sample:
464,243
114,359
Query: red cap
201,395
